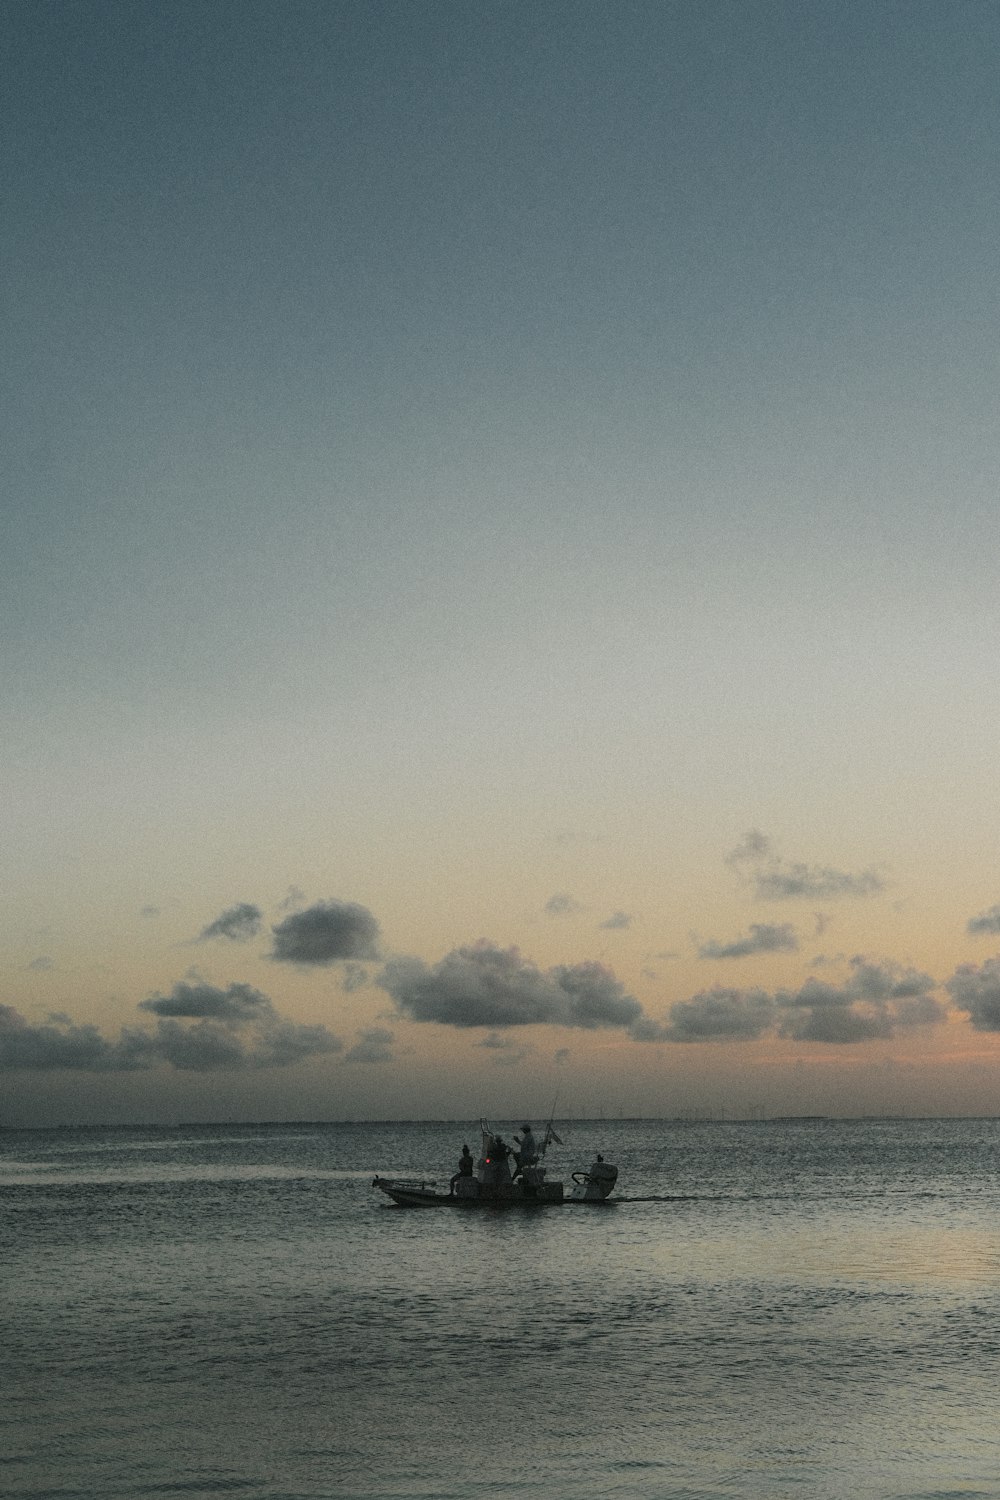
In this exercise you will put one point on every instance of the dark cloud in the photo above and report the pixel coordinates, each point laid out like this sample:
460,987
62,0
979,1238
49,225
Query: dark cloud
60,1044
42,963
149,911
976,989
483,985
239,924
719,1015
374,1046
562,905
239,1003
987,921
617,921
233,1028
761,939
326,933
839,1024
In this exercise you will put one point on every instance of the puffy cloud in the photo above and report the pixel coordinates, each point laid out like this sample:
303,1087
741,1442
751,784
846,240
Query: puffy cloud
879,999
238,1003
719,1015
374,1046
562,905
762,939
596,997
976,989
239,924
885,980
987,921
483,985
876,1001
618,921
327,933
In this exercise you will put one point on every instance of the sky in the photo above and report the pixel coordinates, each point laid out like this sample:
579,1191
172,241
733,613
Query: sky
498,584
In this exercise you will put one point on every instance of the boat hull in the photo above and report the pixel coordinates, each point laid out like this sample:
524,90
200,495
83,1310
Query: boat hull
411,1194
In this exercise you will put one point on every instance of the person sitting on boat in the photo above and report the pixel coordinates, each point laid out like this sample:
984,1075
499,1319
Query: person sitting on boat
464,1167
528,1154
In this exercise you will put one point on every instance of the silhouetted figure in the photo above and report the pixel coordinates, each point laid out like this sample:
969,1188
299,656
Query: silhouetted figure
464,1167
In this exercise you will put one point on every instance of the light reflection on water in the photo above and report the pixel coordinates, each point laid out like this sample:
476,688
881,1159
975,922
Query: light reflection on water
817,1312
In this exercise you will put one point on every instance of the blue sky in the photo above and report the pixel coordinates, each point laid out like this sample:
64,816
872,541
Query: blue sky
468,454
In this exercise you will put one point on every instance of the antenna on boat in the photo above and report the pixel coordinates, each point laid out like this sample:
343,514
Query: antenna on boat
550,1134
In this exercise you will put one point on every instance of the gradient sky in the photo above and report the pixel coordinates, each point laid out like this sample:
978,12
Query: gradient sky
504,494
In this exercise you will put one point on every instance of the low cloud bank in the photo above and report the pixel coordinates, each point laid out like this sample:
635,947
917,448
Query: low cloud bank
878,1000
233,1028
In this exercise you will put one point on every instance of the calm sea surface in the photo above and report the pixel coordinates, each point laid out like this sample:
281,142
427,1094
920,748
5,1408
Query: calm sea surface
806,1309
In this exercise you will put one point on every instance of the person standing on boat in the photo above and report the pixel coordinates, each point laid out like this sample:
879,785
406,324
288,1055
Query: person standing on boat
528,1154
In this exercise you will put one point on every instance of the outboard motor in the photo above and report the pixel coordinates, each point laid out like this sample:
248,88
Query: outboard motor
594,1185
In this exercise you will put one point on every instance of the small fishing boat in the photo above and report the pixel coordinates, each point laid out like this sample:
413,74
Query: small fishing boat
489,1181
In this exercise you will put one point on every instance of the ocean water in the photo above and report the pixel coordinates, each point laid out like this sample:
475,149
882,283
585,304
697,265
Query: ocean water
807,1309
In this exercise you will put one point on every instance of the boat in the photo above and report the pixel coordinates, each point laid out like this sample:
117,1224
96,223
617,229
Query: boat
489,1181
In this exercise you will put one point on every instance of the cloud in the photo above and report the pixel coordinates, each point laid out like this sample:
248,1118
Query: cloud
233,1028
752,846
977,991
239,1003
776,879
484,985
504,1052
60,1044
841,1024
42,963
617,922
987,921
879,999
354,977
375,1046
239,924
562,905
149,911
789,882
719,1015
761,939
326,933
